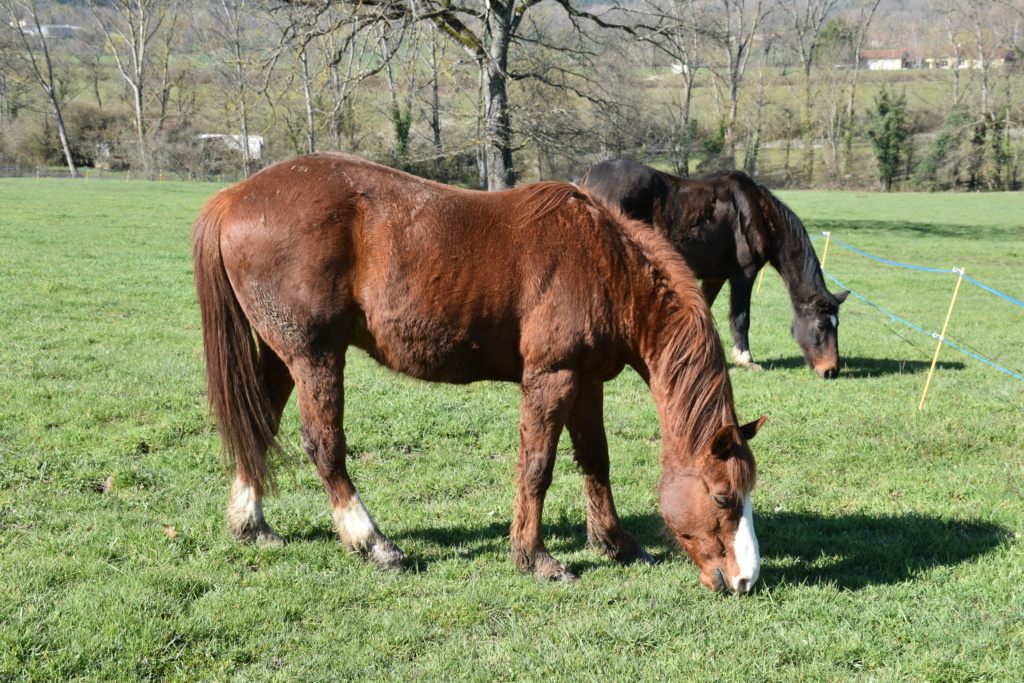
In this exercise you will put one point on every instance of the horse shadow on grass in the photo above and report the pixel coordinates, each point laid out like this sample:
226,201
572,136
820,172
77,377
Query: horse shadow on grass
858,550
850,551
857,367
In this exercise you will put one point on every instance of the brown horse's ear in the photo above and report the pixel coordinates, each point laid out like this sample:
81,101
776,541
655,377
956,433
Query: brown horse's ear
723,440
749,430
841,296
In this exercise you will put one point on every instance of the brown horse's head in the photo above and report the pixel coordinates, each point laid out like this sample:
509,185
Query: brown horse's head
816,330
707,508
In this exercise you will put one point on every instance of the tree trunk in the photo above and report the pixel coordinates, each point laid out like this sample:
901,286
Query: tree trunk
435,96
310,124
501,174
807,126
62,132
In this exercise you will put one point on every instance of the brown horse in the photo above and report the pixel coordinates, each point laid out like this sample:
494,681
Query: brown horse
537,285
727,227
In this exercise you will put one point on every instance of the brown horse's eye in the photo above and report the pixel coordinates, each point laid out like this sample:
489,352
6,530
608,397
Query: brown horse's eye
723,501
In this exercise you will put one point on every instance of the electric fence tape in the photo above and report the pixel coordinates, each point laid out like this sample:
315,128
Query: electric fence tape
896,318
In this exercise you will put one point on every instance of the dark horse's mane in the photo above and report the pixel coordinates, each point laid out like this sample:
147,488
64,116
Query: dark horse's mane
796,237
693,357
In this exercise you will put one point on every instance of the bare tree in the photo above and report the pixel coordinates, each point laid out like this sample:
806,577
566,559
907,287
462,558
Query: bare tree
129,26
680,29
755,127
486,31
171,73
865,13
740,23
248,52
806,18
23,16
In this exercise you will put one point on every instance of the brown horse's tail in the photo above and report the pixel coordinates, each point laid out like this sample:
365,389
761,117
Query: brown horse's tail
236,389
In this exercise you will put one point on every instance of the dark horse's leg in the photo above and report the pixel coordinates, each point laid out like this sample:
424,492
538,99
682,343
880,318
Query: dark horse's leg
711,288
245,509
740,287
545,405
321,404
586,429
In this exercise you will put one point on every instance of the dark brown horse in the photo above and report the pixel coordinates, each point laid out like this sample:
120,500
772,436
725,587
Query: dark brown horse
727,227
538,285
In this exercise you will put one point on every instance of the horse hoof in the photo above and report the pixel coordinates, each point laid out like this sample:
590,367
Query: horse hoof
563,575
641,556
266,538
625,551
743,359
550,569
387,556
259,533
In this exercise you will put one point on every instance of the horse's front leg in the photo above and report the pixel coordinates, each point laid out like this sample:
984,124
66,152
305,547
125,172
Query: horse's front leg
321,406
590,446
545,404
740,287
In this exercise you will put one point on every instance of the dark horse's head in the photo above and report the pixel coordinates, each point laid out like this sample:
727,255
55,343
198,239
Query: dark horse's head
816,330
815,310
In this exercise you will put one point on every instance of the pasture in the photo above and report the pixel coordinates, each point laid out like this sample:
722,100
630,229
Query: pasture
892,540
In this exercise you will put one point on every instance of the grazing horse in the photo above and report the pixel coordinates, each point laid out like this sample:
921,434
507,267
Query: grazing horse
538,285
727,227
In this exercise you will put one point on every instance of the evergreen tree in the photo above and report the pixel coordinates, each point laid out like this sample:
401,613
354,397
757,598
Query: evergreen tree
888,131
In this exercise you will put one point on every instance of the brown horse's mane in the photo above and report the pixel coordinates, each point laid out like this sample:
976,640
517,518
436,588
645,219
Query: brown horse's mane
691,361
545,197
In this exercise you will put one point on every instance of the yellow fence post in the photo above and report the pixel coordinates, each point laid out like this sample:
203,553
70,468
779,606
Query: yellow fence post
824,254
942,336
760,279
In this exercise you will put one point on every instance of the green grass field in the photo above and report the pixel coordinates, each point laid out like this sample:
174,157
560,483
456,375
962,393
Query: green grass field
891,538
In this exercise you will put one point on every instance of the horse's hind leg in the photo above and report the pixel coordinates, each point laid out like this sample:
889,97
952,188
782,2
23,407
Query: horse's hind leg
245,508
590,445
321,404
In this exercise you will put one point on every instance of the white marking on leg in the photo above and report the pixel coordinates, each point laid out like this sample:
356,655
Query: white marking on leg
245,509
355,527
746,551
741,357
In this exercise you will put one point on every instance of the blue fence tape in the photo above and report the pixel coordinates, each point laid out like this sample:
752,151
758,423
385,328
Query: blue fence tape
993,291
934,335
928,270
891,263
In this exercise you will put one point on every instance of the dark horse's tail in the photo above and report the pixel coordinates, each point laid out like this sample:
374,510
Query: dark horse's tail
236,389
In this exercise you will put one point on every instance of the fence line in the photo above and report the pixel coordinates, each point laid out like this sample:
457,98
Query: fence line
922,268
100,174
896,318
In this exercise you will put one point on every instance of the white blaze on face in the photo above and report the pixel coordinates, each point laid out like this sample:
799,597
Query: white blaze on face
355,527
746,551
